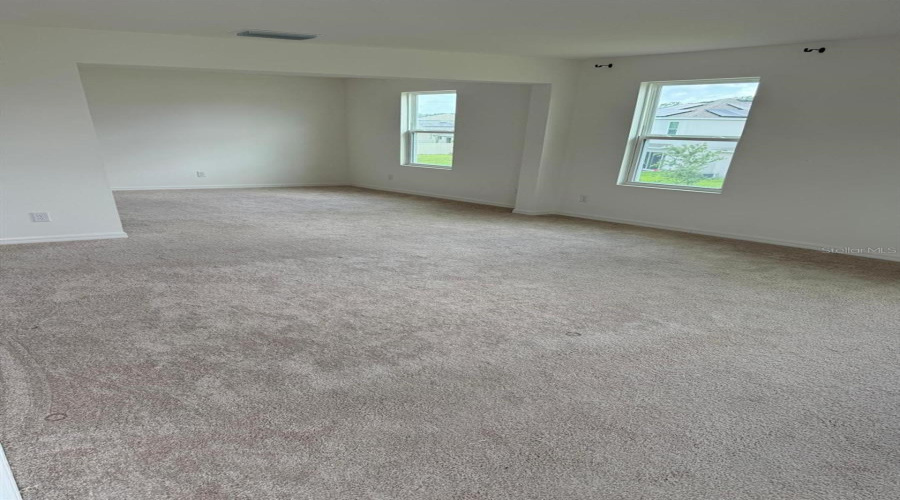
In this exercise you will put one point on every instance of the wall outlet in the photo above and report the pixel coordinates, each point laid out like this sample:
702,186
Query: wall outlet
40,217
201,173
582,198
390,177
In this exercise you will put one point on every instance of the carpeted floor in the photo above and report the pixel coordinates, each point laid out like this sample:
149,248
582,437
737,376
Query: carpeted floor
340,343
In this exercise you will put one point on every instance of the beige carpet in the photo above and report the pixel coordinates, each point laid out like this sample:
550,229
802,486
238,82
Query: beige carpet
347,344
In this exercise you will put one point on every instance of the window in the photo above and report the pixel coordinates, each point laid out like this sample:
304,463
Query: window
653,161
693,153
429,123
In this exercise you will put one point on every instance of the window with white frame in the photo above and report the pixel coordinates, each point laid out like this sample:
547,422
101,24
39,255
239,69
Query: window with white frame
428,129
684,133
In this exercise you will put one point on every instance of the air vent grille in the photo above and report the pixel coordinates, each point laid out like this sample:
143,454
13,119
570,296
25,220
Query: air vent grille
277,35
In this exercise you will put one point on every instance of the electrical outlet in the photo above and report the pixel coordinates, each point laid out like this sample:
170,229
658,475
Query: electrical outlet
40,217
390,177
201,173
582,198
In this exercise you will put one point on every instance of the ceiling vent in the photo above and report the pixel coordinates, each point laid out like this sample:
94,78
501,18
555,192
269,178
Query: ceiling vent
278,35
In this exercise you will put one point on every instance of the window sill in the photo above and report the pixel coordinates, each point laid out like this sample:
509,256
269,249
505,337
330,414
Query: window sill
668,187
419,165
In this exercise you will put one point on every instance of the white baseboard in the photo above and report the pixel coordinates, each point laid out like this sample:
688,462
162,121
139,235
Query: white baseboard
432,195
734,236
533,212
8,488
227,186
61,237
731,236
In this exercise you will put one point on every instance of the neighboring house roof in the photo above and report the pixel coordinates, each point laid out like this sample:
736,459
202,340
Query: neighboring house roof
442,121
722,108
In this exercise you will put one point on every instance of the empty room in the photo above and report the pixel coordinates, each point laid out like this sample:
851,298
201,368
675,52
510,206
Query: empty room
449,250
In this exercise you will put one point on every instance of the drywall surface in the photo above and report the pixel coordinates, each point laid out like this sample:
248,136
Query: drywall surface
51,160
490,136
817,166
158,128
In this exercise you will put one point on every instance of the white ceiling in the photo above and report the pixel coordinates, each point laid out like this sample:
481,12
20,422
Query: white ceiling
563,28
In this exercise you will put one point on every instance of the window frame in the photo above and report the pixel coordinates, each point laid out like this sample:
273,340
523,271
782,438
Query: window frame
642,125
408,132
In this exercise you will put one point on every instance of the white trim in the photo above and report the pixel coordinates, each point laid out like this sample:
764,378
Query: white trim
631,222
671,187
431,92
697,138
642,125
227,186
730,236
8,488
433,195
533,212
408,112
425,165
61,237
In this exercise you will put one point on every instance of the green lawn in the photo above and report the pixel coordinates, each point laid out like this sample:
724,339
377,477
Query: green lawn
663,178
438,160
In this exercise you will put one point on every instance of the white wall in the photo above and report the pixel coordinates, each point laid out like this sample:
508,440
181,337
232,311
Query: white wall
490,136
817,165
158,127
50,158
